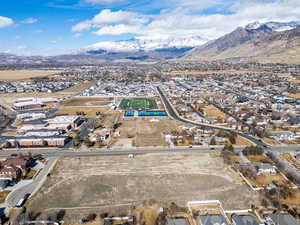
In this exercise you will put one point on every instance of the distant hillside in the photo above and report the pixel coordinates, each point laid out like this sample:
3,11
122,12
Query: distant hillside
260,44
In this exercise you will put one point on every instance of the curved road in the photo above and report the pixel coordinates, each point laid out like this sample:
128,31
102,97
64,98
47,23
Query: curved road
173,114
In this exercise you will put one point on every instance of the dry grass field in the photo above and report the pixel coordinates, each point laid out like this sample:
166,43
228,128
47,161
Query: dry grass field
259,158
264,179
297,95
114,181
212,112
242,141
90,111
291,160
12,75
3,195
145,133
295,200
87,102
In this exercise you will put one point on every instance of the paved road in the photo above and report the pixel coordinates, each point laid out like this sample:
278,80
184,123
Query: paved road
125,151
14,197
173,114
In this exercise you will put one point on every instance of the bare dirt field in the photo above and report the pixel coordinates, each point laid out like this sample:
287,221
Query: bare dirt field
88,102
117,180
90,111
242,141
146,133
24,74
297,95
212,112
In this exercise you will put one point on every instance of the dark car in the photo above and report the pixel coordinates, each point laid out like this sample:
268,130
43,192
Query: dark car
26,196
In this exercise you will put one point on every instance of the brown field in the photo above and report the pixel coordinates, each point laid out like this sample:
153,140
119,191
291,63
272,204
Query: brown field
259,158
87,102
296,81
291,160
264,179
3,195
114,181
270,141
90,111
24,74
297,95
293,201
212,112
242,141
145,133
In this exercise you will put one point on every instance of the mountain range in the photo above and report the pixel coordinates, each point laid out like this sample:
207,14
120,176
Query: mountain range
265,42
270,42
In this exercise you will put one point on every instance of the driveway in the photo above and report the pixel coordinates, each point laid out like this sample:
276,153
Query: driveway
32,186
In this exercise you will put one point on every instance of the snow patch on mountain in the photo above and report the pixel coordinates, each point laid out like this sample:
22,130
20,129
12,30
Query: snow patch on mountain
274,26
146,44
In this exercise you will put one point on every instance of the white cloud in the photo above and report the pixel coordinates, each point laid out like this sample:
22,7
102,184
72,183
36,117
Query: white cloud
84,25
185,18
118,30
77,35
109,18
30,20
5,22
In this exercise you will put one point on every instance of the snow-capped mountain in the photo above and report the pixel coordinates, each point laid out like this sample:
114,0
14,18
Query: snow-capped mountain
273,26
146,44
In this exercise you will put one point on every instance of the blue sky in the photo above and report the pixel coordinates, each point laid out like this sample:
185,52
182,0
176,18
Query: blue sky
59,26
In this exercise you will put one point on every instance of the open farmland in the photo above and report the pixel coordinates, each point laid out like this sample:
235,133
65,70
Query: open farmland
138,103
24,74
117,180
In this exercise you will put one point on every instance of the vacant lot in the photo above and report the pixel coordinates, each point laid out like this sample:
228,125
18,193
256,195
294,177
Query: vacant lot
213,112
115,180
265,179
297,95
24,74
88,102
146,133
90,112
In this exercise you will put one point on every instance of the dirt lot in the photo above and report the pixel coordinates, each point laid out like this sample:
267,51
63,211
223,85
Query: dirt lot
242,141
259,158
264,179
213,112
90,111
23,74
297,95
146,133
116,180
87,102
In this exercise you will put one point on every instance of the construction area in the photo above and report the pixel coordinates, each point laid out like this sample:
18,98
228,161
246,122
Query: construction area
119,182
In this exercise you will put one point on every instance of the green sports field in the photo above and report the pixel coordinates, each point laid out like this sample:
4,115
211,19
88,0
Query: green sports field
138,104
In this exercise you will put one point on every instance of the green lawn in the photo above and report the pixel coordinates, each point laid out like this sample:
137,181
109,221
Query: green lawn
138,103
